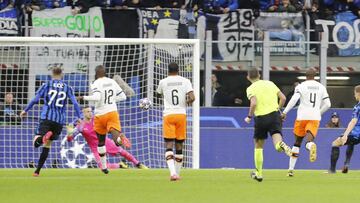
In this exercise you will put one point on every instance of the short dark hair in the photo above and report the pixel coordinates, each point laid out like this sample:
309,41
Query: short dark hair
253,73
57,71
310,74
173,67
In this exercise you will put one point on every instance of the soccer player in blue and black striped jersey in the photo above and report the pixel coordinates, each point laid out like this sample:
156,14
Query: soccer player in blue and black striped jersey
55,94
351,135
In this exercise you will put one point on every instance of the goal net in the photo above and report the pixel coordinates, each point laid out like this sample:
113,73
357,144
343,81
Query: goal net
136,64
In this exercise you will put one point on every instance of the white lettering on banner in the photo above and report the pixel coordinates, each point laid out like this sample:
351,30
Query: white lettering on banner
236,26
354,34
60,23
8,26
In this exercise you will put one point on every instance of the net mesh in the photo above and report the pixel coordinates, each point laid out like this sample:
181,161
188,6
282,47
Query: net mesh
138,68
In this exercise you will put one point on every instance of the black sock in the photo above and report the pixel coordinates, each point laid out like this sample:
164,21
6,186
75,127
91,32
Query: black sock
43,156
349,152
38,142
335,151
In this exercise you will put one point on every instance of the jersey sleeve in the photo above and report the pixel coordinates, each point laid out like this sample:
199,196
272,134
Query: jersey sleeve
356,112
38,95
325,94
95,92
74,102
120,94
188,86
274,88
159,90
250,92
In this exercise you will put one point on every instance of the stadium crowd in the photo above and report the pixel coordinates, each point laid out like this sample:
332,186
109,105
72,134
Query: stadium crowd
324,7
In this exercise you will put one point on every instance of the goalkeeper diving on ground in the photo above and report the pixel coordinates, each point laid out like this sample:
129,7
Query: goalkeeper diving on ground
86,128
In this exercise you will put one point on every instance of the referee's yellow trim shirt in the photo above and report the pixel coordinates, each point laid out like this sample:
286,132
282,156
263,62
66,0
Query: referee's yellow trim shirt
266,93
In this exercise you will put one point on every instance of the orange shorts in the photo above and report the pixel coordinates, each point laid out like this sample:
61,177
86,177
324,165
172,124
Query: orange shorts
104,123
303,126
174,126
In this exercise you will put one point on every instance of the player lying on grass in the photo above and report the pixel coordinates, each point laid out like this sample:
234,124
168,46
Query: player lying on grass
314,101
86,128
351,135
55,94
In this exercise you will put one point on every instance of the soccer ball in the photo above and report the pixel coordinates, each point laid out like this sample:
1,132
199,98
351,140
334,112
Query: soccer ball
145,104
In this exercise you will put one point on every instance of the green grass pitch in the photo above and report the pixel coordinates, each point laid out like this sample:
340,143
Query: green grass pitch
153,186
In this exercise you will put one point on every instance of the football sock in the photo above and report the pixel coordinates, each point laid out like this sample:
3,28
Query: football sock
102,154
308,145
349,152
178,162
169,156
258,158
38,142
334,157
43,156
295,154
128,156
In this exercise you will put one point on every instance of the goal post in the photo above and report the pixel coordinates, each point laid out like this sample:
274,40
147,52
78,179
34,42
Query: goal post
136,64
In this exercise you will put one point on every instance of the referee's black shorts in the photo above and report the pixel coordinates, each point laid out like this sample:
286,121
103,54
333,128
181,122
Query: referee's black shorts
267,124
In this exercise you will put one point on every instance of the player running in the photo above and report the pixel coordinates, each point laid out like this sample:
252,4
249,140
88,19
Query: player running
263,96
86,128
177,92
105,93
314,101
351,135
55,94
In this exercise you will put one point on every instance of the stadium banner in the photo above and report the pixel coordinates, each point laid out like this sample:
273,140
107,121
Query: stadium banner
126,26
162,23
282,28
61,23
347,31
9,22
226,29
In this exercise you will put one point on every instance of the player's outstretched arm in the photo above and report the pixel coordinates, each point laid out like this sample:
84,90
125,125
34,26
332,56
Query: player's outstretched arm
40,93
350,126
325,105
120,94
75,103
282,99
294,99
253,103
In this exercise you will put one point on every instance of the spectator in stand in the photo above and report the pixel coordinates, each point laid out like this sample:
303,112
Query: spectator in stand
54,3
311,5
250,4
117,4
143,3
194,4
172,3
284,6
266,4
10,111
355,7
82,6
221,96
334,121
6,4
34,5
220,6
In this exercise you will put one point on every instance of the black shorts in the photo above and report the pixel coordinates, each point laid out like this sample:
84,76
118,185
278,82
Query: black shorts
352,140
269,123
46,126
